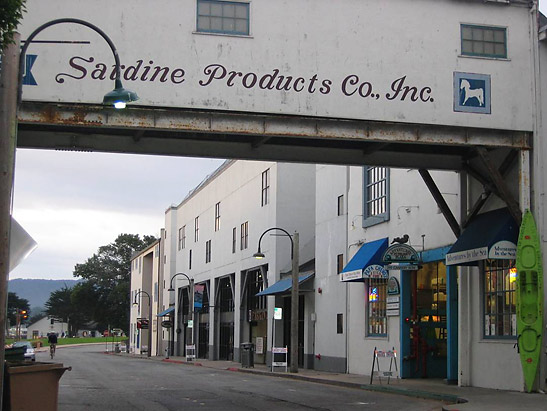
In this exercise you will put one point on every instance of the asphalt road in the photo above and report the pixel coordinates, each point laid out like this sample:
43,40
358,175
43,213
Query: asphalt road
108,382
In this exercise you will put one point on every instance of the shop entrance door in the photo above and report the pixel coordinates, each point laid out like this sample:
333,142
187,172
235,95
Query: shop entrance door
424,338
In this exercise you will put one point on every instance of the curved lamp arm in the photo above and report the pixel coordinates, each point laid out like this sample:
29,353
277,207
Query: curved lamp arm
172,278
119,94
259,254
142,292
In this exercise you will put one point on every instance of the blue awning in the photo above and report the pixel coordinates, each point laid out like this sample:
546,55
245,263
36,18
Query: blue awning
369,254
491,235
284,285
166,312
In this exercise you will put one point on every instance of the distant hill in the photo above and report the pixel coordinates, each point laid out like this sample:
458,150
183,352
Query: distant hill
37,291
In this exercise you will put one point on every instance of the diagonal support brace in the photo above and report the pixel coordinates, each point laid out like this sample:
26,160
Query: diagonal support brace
497,180
441,203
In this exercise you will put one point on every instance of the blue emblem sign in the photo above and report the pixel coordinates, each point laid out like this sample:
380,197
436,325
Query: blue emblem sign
472,93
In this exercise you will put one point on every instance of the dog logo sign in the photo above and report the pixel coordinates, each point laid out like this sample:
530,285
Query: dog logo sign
472,93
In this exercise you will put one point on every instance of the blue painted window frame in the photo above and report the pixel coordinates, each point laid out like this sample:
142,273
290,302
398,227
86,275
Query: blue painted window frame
223,17
493,41
370,220
381,306
513,294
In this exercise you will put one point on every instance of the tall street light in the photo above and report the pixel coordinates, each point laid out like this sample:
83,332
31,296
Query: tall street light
149,318
117,97
294,293
11,90
191,285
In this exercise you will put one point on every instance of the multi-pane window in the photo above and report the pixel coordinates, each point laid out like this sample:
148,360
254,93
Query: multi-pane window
224,17
500,283
375,195
217,216
234,239
376,312
339,263
207,251
340,205
244,235
196,229
484,41
265,187
182,237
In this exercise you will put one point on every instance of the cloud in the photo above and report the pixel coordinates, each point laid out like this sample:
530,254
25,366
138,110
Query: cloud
73,203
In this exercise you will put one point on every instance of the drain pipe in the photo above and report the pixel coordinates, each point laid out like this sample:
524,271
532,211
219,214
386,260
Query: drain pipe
346,314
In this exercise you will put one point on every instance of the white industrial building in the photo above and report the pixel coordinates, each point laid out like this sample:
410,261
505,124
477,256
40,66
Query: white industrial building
429,115
211,238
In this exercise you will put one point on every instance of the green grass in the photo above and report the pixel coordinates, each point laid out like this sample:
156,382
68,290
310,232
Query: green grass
77,340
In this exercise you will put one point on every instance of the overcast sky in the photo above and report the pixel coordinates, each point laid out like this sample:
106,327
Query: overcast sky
73,203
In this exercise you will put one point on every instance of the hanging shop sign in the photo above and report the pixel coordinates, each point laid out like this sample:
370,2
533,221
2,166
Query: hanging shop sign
198,296
393,286
375,271
400,253
258,315
142,323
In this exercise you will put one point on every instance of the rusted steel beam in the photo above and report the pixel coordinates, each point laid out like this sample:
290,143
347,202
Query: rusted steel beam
181,119
499,183
441,203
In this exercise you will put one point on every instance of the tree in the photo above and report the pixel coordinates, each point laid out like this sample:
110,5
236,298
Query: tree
11,13
16,303
61,307
108,272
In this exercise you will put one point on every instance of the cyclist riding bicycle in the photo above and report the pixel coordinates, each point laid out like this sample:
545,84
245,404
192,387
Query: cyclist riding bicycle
52,341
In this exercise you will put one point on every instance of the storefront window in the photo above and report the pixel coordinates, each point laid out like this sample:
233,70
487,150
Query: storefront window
500,318
376,298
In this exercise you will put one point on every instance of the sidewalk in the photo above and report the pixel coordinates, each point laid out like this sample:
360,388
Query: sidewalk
455,398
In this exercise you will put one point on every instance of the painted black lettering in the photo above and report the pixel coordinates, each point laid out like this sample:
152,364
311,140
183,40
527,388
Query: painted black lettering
72,63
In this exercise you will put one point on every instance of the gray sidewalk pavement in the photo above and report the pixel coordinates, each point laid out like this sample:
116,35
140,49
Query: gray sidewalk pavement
455,398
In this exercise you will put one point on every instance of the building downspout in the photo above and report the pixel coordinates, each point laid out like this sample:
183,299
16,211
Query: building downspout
537,202
346,314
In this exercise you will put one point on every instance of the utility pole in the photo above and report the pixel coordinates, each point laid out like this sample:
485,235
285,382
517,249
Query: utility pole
9,73
294,303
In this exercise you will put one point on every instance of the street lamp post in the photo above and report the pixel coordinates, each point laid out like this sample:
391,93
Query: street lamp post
295,254
11,89
149,319
191,285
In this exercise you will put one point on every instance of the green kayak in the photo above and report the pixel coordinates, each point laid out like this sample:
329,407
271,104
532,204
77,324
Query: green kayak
529,299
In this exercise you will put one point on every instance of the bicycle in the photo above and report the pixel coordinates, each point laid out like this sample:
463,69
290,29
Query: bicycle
52,350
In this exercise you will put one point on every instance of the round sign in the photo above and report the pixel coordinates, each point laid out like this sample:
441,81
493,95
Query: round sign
166,324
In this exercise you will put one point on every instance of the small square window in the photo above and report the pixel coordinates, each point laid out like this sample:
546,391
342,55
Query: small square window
225,17
483,41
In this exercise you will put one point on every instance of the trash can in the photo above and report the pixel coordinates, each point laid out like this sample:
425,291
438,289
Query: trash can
29,387
247,355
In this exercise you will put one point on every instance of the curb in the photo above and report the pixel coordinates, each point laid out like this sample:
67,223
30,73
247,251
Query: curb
450,399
